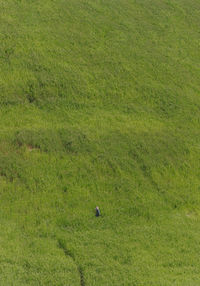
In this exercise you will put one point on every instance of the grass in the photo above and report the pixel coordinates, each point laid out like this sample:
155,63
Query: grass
99,106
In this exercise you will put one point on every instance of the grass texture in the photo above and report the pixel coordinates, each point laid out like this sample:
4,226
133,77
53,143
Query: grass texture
99,105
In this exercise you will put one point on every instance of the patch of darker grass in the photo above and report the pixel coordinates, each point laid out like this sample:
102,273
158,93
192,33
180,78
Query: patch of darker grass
63,140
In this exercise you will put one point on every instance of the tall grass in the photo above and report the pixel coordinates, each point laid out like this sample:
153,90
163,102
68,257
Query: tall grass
99,106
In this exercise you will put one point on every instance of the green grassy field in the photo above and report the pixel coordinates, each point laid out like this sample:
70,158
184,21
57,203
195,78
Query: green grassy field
100,105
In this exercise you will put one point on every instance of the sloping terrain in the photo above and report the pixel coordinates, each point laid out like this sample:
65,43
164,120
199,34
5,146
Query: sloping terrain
99,105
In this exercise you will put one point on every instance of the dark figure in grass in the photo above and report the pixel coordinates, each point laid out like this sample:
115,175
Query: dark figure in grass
97,211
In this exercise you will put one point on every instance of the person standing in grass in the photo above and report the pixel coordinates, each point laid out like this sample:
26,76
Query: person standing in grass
97,210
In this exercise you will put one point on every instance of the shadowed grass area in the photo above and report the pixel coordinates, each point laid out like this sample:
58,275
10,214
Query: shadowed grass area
99,106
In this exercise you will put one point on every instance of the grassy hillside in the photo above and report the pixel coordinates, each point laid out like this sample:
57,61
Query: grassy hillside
99,106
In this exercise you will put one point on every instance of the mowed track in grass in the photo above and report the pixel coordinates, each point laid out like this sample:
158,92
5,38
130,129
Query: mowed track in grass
99,106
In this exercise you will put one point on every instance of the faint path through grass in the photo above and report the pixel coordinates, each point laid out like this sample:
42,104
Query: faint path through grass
67,252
